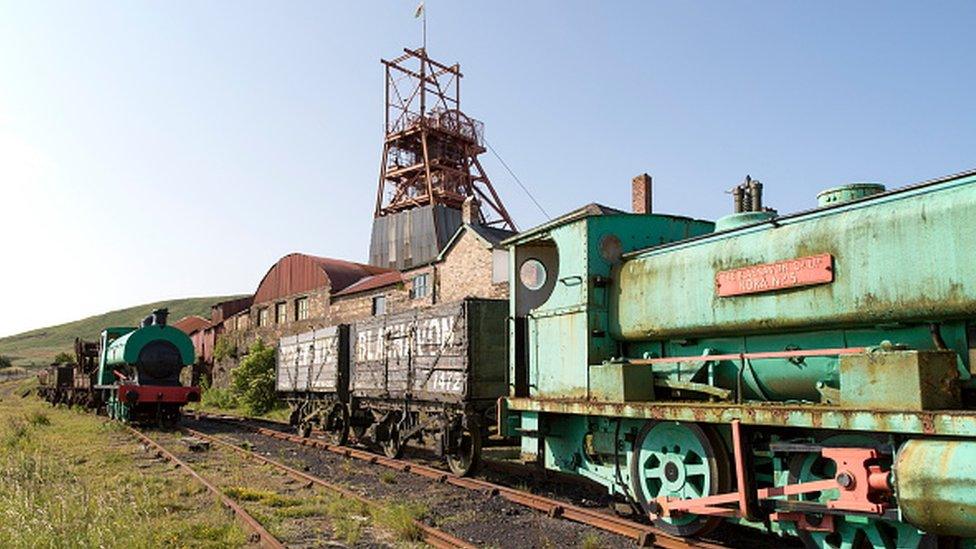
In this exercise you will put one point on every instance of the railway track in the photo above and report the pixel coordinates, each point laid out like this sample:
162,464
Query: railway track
643,534
263,536
430,535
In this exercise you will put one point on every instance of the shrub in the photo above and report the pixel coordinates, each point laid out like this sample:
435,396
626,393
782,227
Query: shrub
5,362
63,357
224,348
215,397
254,379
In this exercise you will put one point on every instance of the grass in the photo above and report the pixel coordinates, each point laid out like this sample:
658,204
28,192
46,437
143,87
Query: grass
72,480
399,518
592,541
38,347
280,413
348,518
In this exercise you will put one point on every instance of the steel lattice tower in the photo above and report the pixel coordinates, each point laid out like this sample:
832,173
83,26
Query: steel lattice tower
431,148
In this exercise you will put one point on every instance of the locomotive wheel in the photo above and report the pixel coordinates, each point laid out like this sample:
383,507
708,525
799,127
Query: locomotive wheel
679,460
465,460
335,423
861,532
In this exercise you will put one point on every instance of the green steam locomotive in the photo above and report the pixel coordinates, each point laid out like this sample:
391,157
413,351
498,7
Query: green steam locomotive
810,374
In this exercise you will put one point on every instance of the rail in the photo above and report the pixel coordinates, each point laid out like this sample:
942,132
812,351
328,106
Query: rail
266,539
432,536
642,534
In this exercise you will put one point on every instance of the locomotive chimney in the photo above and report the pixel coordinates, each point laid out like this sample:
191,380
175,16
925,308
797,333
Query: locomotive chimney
159,317
641,194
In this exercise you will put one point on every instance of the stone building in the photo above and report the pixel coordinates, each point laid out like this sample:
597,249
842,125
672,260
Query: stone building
302,292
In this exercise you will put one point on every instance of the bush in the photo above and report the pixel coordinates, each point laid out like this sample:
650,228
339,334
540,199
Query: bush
63,357
222,399
254,379
5,362
223,348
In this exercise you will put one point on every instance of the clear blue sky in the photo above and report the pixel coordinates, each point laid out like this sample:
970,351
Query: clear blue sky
152,150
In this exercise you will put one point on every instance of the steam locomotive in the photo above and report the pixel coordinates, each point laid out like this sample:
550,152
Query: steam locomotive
809,374
131,374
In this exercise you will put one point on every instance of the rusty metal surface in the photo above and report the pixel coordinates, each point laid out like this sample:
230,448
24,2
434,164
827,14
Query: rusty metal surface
190,324
432,536
267,540
900,380
296,273
873,284
430,152
937,485
948,423
372,283
229,308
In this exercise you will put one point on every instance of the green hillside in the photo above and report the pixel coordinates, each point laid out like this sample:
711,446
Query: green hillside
40,346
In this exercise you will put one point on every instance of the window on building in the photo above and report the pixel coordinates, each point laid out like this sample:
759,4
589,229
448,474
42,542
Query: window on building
420,287
281,313
301,308
264,317
379,305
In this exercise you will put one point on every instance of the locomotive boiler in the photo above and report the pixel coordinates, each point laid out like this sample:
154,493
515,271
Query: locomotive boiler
138,377
809,373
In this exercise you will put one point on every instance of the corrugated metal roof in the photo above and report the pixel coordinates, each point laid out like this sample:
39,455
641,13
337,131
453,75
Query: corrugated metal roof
296,273
227,309
372,283
190,324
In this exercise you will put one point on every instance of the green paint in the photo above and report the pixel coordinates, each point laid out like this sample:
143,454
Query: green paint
121,346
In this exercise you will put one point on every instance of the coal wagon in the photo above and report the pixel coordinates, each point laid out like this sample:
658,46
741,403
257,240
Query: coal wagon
430,374
313,378
434,372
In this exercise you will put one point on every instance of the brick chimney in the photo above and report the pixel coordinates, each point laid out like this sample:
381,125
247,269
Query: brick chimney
641,194
470,211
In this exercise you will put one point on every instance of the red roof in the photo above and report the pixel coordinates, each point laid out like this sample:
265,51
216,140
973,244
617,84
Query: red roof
190,324
373,282
295,273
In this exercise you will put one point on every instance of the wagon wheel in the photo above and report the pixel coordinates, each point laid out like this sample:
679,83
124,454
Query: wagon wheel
393,446
335,423
679,460
466,458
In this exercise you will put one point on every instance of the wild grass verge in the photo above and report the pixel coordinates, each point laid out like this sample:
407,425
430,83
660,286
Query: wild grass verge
72,480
